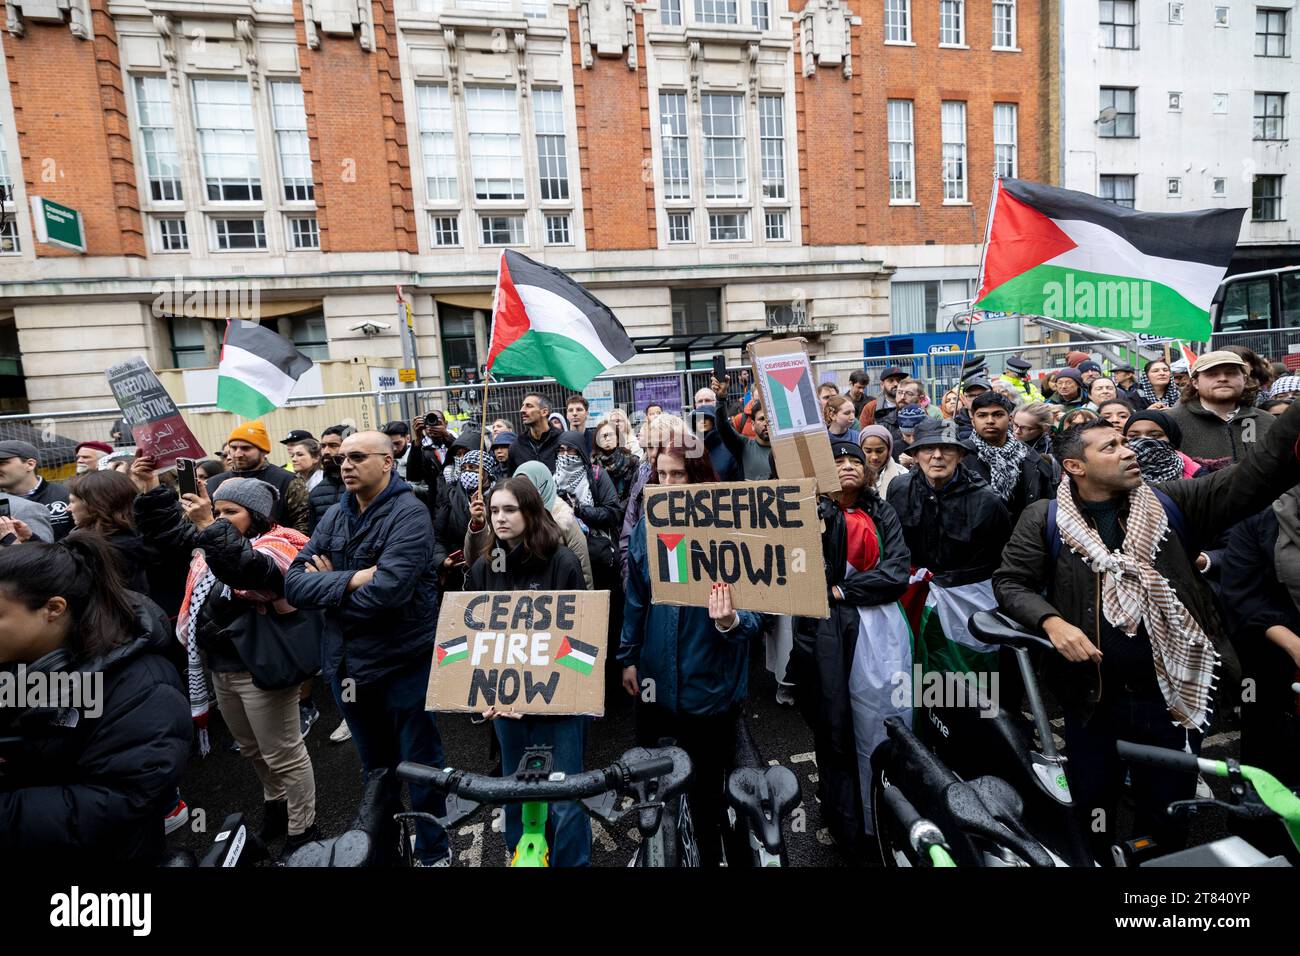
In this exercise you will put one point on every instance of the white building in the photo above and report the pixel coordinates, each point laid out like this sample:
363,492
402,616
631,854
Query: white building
1171,106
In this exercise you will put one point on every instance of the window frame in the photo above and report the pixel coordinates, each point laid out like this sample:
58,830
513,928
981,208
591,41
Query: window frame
1014,27
1261,122
910,146
1277,198
960,42
742,224
1267,13
205,180
962,160
454,218
1115,25
1013,145
1114,124
1114,180
892,9
508,215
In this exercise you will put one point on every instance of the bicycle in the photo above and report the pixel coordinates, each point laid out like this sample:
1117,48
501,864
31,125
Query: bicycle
654,778
1256,795
1014,806
759,798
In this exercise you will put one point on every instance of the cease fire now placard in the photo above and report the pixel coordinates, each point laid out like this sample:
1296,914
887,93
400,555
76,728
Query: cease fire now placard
527,652
761,537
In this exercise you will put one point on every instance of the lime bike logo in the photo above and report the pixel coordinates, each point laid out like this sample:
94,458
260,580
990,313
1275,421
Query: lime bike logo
76,909
946,689
71,692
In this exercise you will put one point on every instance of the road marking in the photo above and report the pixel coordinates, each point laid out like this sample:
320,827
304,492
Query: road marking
473,854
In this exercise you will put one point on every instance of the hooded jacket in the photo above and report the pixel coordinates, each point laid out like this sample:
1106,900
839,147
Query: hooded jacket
1037,480
605,513
1207,437
957,531
696,668
1031,587
383,625
77,788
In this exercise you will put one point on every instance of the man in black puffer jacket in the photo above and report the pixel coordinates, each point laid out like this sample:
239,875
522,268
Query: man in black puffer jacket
330,488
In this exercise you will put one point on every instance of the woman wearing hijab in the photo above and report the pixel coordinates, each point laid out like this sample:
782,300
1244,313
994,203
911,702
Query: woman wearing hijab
1154,437
878,446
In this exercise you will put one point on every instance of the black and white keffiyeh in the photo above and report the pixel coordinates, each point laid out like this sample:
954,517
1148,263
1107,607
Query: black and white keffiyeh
1004,463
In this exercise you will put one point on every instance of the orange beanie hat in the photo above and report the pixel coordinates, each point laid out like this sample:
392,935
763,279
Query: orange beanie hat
254,433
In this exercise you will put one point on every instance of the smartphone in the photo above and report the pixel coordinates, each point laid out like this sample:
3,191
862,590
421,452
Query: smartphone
719,367
187,479
457,557
4,507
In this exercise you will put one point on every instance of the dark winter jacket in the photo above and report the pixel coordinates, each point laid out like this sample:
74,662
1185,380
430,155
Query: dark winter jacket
327,493
527,448
54,498
605,513
77,788
1207,437
823,655
524,572
1030,590
632,514
449,527
291,508
957,532
724,462
389,622
696,668
1036,480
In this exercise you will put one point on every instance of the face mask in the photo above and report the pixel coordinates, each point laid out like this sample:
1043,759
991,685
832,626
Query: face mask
568,463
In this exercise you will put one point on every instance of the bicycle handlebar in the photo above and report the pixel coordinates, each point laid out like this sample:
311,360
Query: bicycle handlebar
1161,757
484,789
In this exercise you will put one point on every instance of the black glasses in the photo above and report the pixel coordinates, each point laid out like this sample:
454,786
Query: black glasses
356,457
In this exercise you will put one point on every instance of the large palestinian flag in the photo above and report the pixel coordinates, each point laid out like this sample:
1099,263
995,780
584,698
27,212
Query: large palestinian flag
258,369
544,323
1070,256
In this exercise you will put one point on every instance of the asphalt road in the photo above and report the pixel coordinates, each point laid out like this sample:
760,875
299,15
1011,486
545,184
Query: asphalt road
222,782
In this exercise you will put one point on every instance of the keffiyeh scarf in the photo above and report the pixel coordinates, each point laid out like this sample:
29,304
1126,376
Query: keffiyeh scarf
1148,392
571,479
1004,464
1134,593
467,473
1158,459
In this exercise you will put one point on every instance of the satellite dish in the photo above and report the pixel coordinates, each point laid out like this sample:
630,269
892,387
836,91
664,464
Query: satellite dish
1107,115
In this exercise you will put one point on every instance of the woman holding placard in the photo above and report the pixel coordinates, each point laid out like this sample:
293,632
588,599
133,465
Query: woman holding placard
687,665
525,551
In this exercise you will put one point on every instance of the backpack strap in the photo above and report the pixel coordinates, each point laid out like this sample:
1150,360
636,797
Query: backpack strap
1173,513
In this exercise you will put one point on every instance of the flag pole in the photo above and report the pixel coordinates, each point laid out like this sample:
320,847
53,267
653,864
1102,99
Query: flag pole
970,319
487,369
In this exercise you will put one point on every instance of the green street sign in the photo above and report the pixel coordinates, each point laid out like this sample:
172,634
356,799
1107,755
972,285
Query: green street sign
58,225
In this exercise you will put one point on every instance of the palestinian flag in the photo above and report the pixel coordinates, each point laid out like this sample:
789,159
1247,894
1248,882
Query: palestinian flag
793,403
544,323
258,369
1070,256
672,558
577,655
449,652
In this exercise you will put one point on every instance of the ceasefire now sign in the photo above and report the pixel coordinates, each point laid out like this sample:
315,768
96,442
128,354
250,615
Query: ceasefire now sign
58,225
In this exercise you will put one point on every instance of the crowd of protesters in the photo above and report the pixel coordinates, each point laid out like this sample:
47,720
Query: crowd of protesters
1146,521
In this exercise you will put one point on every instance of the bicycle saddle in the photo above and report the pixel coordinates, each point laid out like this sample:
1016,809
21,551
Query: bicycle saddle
994,627
765,797
965,803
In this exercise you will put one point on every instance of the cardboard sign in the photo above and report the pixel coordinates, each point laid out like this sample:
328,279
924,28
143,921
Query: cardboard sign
801,445
761,537
156,424
526,652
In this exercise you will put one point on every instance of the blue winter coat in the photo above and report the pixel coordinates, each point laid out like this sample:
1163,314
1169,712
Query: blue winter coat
695,668
389,622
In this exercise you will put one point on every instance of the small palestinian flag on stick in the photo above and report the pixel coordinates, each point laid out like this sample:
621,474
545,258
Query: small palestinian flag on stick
258,369
1066,255
577,655
449,652
544,323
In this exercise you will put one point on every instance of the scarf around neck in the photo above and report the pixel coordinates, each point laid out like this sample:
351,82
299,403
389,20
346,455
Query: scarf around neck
571,479
1134,593
1004,464
1158,459
1148,392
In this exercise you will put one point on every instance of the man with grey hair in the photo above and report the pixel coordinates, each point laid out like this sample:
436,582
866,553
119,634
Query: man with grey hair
369,567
